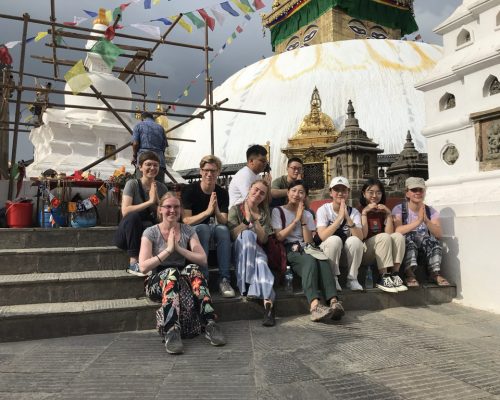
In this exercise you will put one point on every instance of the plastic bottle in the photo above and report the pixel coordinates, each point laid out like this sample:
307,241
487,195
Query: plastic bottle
289,279
369,278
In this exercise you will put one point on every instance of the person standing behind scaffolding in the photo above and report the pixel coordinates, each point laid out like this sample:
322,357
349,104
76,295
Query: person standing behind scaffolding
147,135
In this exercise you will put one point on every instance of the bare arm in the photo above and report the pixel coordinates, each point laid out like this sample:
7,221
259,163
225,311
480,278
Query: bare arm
434,226
278,193
147,260
196,254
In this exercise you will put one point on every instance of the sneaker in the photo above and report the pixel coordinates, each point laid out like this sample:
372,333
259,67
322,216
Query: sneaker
268,315
337,284
214,334
338,310
385,284
321,313
134,270
398,283
173,342
354,285
225,288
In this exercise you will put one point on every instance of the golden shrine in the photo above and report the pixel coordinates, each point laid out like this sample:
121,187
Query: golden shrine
315,135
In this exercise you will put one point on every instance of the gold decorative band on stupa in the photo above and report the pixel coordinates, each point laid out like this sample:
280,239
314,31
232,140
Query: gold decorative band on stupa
101,17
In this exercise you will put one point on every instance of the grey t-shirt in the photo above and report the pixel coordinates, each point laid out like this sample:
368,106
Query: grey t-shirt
154,235
132,189
296,235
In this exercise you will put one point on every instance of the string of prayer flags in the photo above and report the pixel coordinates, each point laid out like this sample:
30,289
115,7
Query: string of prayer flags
108,51
77,78
242,6
247,4
207,18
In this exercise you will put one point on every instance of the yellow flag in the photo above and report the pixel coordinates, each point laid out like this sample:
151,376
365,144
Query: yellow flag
242,6
184,24
155,2
229,40
186,93
77,78
40,36
109,16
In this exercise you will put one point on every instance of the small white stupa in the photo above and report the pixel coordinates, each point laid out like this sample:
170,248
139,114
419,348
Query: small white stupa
72,138
462,99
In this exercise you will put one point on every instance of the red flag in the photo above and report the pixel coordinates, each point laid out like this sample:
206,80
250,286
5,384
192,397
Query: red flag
110,33
5,57
124,6
208,19
239,29
258,4
69,23
173,107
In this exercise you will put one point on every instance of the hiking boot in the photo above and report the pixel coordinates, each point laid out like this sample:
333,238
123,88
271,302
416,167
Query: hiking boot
337,284
173,342
338,310
134,270
268,319
225,288
321,313
385,284
398,283
354,285
214,334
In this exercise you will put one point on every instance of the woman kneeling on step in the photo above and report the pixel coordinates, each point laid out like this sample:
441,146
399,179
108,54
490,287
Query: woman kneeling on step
383,245
186,308
422,229
295,228
250,226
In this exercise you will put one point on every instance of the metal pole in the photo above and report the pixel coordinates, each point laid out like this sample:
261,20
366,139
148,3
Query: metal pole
26,18
207,92
54,42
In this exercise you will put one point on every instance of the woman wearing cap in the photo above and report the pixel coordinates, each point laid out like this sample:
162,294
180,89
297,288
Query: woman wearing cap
422,229
339,228
383,245
294,228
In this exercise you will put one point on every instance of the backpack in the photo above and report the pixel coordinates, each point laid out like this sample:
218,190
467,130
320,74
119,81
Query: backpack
404,213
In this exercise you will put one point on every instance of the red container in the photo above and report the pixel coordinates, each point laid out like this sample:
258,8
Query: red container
19,215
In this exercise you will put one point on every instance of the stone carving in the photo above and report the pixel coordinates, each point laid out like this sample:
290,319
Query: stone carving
495,87
493,135
338,167
450,154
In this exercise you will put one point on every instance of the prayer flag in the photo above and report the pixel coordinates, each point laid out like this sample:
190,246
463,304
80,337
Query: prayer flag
247,3
87,204
149,29
239,29
10,45
29,40
248,17
233,35
90,13
184,24
108,51
117,12
147,4
218,16
186,93
241,6
258,4
195,20
109,34
123,6
208,19
230,39
155,2
40,36
77,78
109,16
227,7
164,20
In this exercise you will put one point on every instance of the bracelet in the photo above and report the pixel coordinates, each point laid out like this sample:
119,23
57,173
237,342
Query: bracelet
159,259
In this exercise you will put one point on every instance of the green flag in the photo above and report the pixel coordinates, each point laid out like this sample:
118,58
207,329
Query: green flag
108,51
195,20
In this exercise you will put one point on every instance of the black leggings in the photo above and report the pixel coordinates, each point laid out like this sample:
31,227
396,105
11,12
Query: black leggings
129,233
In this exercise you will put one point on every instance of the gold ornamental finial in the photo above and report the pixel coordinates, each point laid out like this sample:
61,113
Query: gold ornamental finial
161,119
315,106
159,107
137,112
101,17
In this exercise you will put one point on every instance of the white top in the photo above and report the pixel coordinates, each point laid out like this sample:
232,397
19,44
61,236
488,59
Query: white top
240,185
325,217
296,235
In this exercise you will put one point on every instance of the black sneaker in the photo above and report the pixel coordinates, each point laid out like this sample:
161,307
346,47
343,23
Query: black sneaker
385,283
173,342
214,334
268,315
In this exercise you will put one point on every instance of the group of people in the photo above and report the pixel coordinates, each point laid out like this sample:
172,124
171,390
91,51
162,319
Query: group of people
168,240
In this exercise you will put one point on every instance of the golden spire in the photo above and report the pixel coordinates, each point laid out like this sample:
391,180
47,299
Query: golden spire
101,17
161,119
137,112
315,107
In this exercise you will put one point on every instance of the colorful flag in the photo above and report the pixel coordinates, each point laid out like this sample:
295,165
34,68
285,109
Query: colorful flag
184,24
90,13
218,16
208,19
248,17
71,206
77,78
258,4
233,35
149,29
147,4
195,20
123,6
155,2
10,45
241,6
227,7
239,29
186,93
247,3
117,12
29,40
108,51
109,34
40,36
109,16
164,20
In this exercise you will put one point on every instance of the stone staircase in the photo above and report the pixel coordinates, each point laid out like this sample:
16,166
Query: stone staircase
67,281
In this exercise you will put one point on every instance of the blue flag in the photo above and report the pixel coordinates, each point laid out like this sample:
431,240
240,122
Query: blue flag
90,13
225,6
164,20
147,4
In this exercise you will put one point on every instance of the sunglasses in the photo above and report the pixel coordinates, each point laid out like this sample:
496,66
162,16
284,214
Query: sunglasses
417,190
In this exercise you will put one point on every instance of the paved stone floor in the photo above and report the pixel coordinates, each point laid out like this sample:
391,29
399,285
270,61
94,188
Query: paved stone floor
436,352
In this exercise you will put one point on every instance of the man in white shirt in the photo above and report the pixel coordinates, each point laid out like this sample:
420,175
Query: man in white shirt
240,184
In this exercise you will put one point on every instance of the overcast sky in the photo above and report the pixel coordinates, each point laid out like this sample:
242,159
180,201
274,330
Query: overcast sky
181,65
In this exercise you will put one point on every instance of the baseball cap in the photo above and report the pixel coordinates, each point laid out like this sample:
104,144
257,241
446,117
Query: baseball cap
340,180
414,182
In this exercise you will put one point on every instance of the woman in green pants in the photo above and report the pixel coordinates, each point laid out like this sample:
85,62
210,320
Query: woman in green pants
293,225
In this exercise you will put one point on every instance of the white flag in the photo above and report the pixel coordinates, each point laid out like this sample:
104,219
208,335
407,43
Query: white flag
79,20
220,17
10,45
149,29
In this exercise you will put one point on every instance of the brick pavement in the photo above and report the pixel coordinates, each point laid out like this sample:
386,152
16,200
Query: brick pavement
435,352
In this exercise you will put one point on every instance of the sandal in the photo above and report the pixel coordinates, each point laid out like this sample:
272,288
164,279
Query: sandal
411,281
440,280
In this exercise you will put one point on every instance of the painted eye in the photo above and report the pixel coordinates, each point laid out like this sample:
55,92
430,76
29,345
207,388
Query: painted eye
377,32
310,35
293,44
358,30
378,35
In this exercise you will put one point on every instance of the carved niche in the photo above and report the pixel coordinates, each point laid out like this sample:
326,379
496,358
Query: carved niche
487,127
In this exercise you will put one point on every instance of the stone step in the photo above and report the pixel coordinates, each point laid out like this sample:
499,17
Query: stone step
68,287
22,238
35,321
61,259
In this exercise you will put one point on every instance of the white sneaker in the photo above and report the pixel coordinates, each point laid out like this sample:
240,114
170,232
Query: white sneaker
225,288
354,285
398,283
337,284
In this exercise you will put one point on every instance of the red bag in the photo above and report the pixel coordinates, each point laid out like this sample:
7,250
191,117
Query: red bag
276,254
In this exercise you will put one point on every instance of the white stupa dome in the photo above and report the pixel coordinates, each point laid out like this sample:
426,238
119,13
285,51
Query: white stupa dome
377,75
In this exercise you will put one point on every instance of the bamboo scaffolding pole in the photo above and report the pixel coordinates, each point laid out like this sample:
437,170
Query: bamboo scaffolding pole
26,18
12,130
123,35
192,117
208,98
60,46
54,41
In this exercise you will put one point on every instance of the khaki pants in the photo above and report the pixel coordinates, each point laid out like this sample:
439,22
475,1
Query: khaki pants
352,248
386,249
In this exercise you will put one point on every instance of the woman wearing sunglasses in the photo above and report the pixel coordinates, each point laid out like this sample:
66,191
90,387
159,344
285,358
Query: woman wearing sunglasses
422,229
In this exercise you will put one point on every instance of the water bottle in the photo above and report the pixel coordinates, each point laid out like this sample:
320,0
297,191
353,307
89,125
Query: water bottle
289,279
369,278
